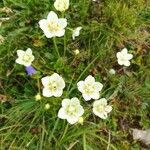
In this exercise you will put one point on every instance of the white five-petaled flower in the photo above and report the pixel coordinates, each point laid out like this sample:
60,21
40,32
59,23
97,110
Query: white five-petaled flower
76,32
71,110
100,108
124,57
25,57
53,85
61,5
53,26
89,88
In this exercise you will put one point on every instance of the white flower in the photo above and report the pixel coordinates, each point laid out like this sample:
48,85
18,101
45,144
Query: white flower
71,110
53,26
100,108
53,85
89,88
123,57
25,57
76,32
61,5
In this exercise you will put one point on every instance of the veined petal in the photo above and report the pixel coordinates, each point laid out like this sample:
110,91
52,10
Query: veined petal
57,93
48,34
75,100
80,85
95,95
47,92
29,51
98,86
108,109
60,33
61,113
65,102
72,119
127,63
118,55
103,101
120,62
20,53
102,115
52,16
19,61
81,111
86,97
62,22
43,24
130,56
45,81
124,51
89,79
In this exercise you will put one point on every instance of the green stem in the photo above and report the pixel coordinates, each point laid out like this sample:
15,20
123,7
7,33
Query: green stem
84,142
55,127
56,48
64,45
66,128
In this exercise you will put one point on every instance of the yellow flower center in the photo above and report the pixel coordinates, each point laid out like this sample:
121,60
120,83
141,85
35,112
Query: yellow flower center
53,26
89,89
71,110
53,86
100,108
26,58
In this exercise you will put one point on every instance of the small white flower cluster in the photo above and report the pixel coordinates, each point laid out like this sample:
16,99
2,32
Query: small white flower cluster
54,85
71,108
54,26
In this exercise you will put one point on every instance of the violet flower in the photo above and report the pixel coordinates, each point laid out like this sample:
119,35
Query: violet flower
30,70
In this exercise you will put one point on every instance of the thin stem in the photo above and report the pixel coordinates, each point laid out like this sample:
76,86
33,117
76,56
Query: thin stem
84,142
56,48
64,45
55,127
65,131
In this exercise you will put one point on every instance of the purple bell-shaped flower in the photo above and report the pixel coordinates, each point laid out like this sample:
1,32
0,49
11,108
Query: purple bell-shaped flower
30,70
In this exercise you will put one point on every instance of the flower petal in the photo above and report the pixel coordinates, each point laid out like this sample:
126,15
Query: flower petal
95,95
102,115
127,63
75,101
72,119
61,113
103,101
86,97
43,24
20,53
90,79
60,33
62,22
29,51
65,102
58,93
124,51
98,86
80,85
108,109
45,81
47,92
52,16
130,56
